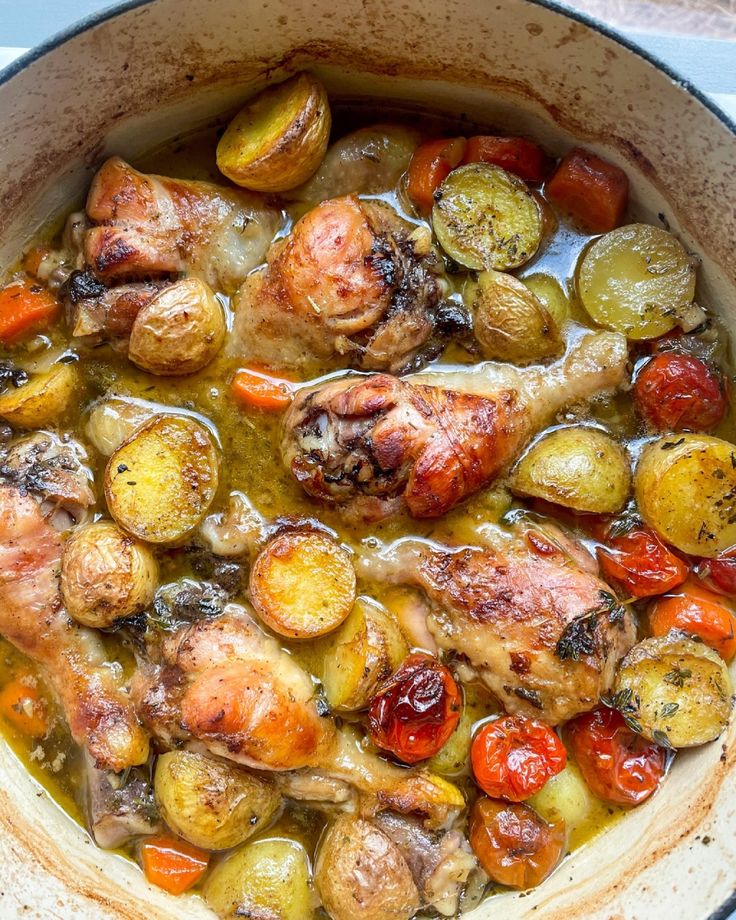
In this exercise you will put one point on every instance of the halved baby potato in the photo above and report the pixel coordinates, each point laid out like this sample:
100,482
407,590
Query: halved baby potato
302,584
178,332
160,483
579,468
279,138
509,321
42,400
549,291
485,217
674,690
366,649
638,280
685,488
106,575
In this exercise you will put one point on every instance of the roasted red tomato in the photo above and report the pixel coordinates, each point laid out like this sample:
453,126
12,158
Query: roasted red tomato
514,845
719,574
618,765
641,563
675,392
416,711
513,757
696,610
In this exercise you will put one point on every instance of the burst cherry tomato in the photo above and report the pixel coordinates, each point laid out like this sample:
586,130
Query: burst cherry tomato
618,765
696,610
675,392
416,711
641,563
719,574
514,845
513,757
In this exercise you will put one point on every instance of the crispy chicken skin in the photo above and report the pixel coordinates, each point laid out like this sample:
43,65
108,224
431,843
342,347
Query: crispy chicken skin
375,445
352,281
153,225
91,691
544,634
223,684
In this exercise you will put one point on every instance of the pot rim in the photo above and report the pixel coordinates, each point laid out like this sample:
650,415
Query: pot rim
80,26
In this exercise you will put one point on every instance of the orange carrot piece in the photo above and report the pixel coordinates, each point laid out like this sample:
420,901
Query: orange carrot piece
516,155
22,707
172,864
25,305
696,610
430,165
593,191
257,388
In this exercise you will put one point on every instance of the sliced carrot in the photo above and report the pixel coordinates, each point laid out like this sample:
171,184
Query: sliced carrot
591,190
22,706
257,388
516,155
698,611
173,864
25,305
430,165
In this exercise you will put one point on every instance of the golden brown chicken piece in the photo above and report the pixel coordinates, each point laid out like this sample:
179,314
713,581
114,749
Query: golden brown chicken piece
152,225
90,689
544,634
352,281
375,445
223,683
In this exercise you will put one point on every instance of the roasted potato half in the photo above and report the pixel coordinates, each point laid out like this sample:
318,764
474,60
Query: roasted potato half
279,138
674,690
360,874
509,321
685,488
549,291
453,760
265,878
106,575
302,584
637,280
485,217
579,468
43,400
212,804
178,332
160,483
365,650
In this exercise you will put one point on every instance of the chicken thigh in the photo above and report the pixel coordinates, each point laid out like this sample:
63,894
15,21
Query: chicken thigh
375,445
544,634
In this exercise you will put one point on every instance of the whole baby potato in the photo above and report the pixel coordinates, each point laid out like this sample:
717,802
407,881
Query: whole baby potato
212,804
579,468
106,575
178,332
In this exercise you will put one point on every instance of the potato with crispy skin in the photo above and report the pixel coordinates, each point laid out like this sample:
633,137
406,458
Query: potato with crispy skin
279,138
302,584
211,803
160,483
42,400
106,575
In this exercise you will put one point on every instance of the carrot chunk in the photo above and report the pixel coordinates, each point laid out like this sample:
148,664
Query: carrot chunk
430,165
25,305
172,864
516,155
591,190
256,388
22,707
694,609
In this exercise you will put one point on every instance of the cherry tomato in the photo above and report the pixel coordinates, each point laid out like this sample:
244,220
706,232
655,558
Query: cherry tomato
416,711
696,610
618,765
641,563
513,757
719,574
675,392
514,845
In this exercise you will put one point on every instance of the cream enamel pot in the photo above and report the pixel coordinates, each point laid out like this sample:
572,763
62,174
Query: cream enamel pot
135,76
